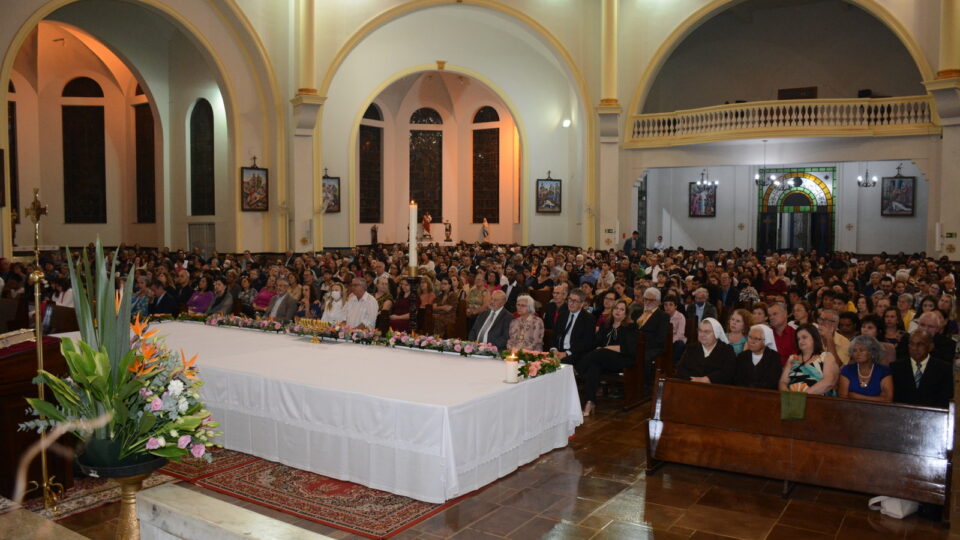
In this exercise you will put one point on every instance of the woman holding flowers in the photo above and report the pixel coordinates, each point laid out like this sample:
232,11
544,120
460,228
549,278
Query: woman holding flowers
526,331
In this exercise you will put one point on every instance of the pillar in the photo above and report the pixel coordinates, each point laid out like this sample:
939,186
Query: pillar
307,219
606,203
949,59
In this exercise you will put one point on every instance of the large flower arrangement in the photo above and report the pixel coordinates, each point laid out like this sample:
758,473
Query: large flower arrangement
149,395
344,332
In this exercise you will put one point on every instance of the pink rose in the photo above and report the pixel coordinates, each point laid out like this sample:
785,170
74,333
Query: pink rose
183,441
198,450
457,347
153,443
532,369
469,349
156,404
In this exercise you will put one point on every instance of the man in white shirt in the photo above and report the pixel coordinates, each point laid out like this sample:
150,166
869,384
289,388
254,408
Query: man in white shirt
659,245
361,308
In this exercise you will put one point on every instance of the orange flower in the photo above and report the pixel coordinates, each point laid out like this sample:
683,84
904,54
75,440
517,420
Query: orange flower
138,327
117,301
188,368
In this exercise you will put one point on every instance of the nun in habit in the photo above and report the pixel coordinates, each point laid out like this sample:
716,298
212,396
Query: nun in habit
758,366
713,362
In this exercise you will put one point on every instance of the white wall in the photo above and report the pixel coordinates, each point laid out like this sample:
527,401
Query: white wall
667,192
497,49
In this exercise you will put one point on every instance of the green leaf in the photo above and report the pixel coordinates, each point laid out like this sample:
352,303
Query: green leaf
170,452
188,422
46,408
147,421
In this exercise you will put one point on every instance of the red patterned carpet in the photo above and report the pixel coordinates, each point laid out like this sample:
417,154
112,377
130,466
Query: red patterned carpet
344,505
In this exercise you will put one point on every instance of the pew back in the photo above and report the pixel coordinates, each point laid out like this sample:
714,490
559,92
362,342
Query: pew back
889,449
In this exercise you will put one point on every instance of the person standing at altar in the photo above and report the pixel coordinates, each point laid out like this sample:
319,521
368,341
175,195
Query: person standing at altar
283,305
493,324
361,308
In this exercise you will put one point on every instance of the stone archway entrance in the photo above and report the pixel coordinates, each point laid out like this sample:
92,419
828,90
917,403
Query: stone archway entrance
797,211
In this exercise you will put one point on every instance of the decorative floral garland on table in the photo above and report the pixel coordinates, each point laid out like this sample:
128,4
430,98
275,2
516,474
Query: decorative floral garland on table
532,363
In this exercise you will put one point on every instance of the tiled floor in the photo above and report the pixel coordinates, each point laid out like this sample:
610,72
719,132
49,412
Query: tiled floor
596,488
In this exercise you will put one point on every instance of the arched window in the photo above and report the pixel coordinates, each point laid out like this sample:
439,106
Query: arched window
11,88
426,115
371,166
373,113
12,143
82,87
486,114
202,201
84,155
145,163
139,91
486,175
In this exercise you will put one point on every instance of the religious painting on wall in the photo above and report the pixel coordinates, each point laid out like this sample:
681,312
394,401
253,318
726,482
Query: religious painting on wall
898,196
331,194
549,194
703,200
254,189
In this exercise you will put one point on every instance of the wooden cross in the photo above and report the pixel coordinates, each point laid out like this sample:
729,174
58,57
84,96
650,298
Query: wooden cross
36,209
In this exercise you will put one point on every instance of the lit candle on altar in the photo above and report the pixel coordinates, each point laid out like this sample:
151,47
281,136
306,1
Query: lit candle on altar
513,369
413,236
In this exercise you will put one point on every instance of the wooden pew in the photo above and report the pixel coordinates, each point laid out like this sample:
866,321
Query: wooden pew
63,319
425,319
635,387
460,329
878,448
691,330
541,297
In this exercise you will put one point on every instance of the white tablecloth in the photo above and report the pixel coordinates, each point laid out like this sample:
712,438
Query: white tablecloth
422,424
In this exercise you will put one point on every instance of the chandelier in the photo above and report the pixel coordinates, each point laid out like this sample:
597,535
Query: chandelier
867,181
758,178
703,181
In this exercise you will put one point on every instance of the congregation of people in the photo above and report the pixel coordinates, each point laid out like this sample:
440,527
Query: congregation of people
877,328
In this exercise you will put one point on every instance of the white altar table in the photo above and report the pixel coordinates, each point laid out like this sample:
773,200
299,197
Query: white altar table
421,424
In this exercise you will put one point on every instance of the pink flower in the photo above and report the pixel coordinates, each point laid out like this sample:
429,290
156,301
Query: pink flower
532,369
198,450
457,347
153,443
156,404
469,349
183,441
145,392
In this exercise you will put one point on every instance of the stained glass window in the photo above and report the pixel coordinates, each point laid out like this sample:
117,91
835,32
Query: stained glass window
426,172
486,175
486,114
371,173
202,201
82,87
426,115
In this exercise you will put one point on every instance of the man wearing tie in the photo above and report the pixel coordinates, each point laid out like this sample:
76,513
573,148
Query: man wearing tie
576,332
163,303
922,379
493,325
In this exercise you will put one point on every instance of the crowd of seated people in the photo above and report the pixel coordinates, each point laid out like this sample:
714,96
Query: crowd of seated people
857,327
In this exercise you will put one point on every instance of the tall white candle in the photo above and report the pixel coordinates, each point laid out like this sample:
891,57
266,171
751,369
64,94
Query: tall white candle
413,235
512,366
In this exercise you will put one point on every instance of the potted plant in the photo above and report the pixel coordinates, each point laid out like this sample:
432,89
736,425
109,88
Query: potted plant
124,372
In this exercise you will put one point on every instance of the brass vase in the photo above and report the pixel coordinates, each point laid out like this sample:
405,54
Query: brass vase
130,477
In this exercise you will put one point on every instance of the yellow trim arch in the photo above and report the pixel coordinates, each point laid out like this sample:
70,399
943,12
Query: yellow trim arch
586,100
708,11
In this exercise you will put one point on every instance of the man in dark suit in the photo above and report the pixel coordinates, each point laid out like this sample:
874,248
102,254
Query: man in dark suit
725,294
932,323
632,244
282,306
654,324
512,289
163,303
493,325
576,330
700,309
556,309
921,379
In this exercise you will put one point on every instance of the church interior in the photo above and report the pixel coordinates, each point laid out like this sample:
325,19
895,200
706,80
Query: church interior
720,137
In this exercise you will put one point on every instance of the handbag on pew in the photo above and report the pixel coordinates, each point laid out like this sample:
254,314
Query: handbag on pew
894,507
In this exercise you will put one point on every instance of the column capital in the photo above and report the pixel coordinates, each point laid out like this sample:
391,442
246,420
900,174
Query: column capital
946,93
306,109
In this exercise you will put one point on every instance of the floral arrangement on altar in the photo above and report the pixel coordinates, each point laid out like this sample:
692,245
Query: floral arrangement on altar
533,363
265,325
192,317
341,331
149,395
433,343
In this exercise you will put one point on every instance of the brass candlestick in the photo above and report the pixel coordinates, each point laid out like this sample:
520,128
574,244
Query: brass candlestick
52,491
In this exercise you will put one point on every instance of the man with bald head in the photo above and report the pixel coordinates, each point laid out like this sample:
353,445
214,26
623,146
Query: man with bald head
921,379
932,323
493,324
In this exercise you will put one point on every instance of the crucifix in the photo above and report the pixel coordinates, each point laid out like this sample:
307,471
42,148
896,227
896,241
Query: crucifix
52,491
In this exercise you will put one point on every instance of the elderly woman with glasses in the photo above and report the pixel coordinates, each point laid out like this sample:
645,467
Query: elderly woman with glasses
526,331
865,377
758,365
711,360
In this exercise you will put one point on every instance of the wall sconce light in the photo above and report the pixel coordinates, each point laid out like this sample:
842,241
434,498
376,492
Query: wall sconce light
566,123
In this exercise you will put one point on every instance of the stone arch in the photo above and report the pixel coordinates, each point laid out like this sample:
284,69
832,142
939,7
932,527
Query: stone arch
245,76
691,23
578,84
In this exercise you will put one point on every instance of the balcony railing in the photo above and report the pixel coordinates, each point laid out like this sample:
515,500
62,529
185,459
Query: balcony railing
910,115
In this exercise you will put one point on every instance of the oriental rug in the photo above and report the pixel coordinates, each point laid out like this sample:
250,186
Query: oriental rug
87,494
192,469
344,505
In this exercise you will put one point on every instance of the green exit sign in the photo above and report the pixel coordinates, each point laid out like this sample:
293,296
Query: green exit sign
608,231
951,235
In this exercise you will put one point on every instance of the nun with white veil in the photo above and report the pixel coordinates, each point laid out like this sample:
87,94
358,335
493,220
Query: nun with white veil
758,366
711,360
